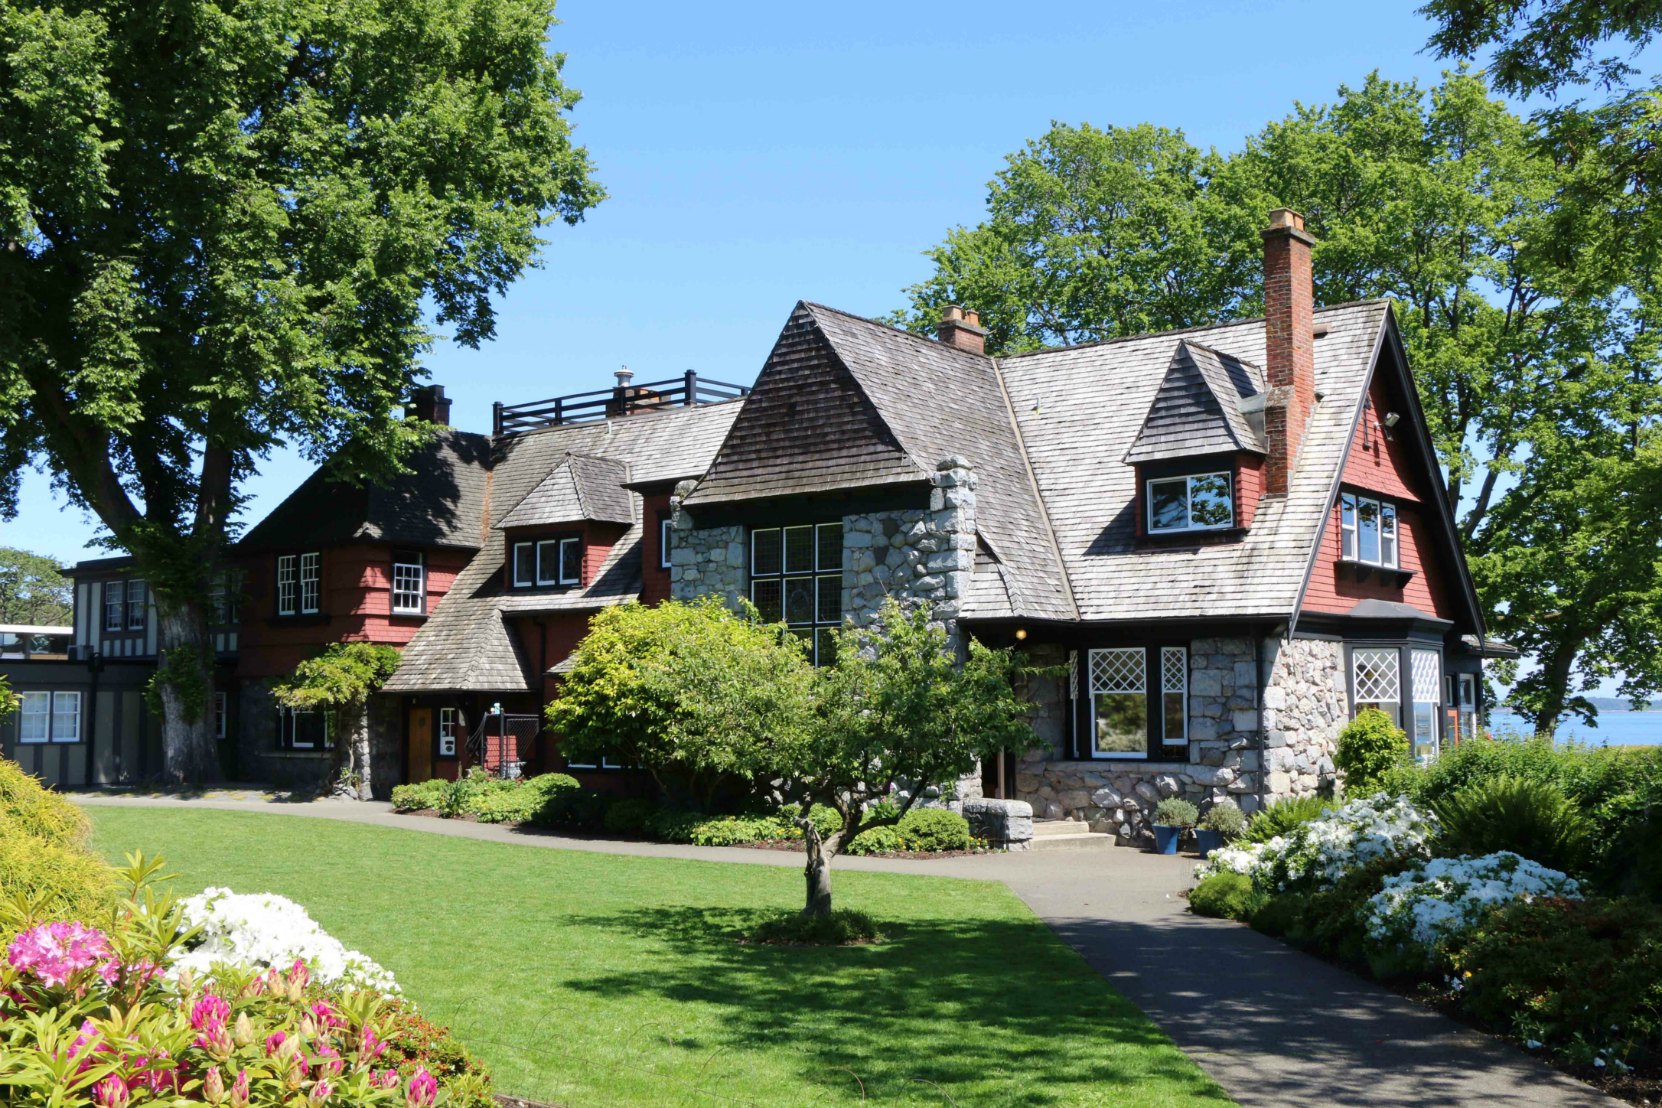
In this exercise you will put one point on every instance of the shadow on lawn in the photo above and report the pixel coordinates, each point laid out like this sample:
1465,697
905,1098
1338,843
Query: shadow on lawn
942,1003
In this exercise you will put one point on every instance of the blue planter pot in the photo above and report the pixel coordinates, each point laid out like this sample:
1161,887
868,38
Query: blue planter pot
1207,841
1165,839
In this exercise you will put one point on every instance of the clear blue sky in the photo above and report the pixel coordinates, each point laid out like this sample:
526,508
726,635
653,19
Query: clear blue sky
761,153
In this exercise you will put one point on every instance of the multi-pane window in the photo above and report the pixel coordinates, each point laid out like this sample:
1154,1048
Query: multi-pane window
554,562
1376,679
311,592
409,581
1427,666
1139,701
115,619
226,598
303,730
796,577
571,561
135,605
664,533
1367,530
285,584
1201,502
525,564
1467,702
450,724
49,717
1174,695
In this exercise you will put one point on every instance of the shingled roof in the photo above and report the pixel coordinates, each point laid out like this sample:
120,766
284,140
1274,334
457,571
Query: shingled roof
466,645
1198,407
438,501
582,488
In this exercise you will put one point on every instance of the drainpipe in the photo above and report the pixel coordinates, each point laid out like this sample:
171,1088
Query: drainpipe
1263,737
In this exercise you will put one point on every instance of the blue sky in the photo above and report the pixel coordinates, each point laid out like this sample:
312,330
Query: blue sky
757,154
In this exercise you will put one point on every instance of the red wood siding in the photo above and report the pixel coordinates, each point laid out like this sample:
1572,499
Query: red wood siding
355,598
654,578
1391,469
1249,488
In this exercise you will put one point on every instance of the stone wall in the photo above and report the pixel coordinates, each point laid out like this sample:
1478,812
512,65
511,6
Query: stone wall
1119,796
1305,705
706,560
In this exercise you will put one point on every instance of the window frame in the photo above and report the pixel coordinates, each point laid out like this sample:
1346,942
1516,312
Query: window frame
1158,745
1387,528
137,612
409,560
50,735
1188,480
287,584
576,577
286,732
311,573
1432,708
1357,703
447,733
115,605
815,631
222,715
665,532
513,564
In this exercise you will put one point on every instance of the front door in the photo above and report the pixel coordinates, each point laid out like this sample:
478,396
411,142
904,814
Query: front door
421,744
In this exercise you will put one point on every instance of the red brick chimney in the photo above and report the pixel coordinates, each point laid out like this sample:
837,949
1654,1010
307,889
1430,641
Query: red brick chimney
962,329
429,404
1289,345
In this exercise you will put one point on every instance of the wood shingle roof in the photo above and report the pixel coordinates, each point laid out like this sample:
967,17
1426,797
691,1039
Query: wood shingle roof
1198,408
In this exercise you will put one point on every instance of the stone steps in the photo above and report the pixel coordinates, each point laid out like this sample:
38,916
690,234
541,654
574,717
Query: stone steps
1067,834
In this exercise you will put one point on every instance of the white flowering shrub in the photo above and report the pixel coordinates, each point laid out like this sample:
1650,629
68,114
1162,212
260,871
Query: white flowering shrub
1316,854
264,929
1421,910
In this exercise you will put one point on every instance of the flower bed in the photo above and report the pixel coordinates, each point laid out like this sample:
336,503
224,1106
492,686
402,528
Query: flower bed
146,1009
1318,853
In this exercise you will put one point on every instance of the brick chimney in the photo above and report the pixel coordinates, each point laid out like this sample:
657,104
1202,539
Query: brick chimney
429,404
1289,345
962,329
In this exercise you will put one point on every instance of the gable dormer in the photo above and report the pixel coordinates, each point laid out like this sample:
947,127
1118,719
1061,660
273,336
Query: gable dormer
1200,451
561,533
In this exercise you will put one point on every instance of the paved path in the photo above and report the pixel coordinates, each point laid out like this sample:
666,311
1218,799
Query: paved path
1273,1026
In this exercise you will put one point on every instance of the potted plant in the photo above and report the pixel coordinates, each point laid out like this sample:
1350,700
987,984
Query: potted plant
1171,817
1223,823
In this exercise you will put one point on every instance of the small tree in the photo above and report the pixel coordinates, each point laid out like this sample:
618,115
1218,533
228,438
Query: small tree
899,713
9,701
1369,746
689,692
339,683
33,589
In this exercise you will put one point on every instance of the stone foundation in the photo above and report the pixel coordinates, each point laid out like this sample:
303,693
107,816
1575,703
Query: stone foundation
1305,705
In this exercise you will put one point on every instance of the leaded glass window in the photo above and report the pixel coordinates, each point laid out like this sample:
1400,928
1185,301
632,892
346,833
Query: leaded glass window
796,578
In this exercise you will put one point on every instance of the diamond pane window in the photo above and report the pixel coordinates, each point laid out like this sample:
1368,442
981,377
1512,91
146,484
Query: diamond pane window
1428,684
1119,702
1174,695
1376,680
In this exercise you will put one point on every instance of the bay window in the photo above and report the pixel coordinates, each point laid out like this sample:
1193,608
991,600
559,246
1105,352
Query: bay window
1367,530
1200,502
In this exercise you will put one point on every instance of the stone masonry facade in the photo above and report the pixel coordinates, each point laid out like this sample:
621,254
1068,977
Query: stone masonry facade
1305,705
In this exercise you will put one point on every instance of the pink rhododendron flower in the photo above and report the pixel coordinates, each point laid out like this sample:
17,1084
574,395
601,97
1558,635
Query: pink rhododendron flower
240,1090
86,1040
210,1012
328,1058
110,1093
326,1016
370,1046
213,1085
423,1089
273,1041
299,974
386,1079
55,952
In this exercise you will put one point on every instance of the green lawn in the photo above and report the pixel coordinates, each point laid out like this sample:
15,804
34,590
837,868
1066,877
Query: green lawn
588,979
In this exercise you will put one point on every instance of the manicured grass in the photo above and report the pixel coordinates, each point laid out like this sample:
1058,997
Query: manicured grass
588,979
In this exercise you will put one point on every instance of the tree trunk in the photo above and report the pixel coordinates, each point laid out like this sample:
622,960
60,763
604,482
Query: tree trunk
185,685
1557,685
816,871
349,769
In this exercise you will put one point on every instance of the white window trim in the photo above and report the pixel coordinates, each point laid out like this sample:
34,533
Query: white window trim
136,612
1165,739
1188,499
577,578
28,697
115,605
447,721
287,580
285,718
513,564
419,607
53,709
1091,691
1383,510
780,531
664,532
311,573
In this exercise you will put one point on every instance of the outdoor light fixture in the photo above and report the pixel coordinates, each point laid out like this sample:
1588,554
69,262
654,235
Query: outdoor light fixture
1391,419
1021,634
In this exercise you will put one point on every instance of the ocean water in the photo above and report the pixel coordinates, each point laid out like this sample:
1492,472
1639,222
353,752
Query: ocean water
1614,728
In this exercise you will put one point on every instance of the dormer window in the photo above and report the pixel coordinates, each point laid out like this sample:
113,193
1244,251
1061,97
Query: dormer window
1368,531
1198,502
548,562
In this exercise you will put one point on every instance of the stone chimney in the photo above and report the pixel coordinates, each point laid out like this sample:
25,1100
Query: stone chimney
962,329
429,404
1289,344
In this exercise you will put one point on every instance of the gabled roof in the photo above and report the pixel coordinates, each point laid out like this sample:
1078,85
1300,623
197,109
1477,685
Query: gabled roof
1197,409
1080,410
466,644
582,488
438,501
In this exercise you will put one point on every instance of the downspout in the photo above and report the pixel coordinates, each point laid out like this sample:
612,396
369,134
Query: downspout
1263,736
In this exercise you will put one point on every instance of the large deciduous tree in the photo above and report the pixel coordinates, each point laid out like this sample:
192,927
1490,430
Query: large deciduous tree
33,589
220,224
1522,271
339,683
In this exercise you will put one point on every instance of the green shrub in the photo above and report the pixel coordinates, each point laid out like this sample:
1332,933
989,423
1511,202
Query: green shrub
734,831
566,805
1225,895
1277,915
419,796
1331,922
670,825
1282,816
43,853
1174,811
842,927
1369,746
1583,977
1532,818
1407,780
877,840
415,1042
1633,864
1225,818
631,816
825,818
934,829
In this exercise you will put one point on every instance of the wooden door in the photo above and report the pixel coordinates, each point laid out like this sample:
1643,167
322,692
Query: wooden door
421,744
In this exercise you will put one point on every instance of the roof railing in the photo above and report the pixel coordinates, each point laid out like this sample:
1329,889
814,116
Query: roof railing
687,391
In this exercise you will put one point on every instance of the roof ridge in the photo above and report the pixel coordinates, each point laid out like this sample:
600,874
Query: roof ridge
1221,353
934,344
1242,322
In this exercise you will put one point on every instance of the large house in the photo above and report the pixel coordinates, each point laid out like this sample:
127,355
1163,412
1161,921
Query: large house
1233,537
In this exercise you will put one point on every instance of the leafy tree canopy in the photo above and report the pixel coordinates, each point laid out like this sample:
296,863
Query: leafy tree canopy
339,682
1542,45
33,589
220,225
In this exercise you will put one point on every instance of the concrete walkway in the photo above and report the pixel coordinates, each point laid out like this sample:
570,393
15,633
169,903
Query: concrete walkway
1273,1026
